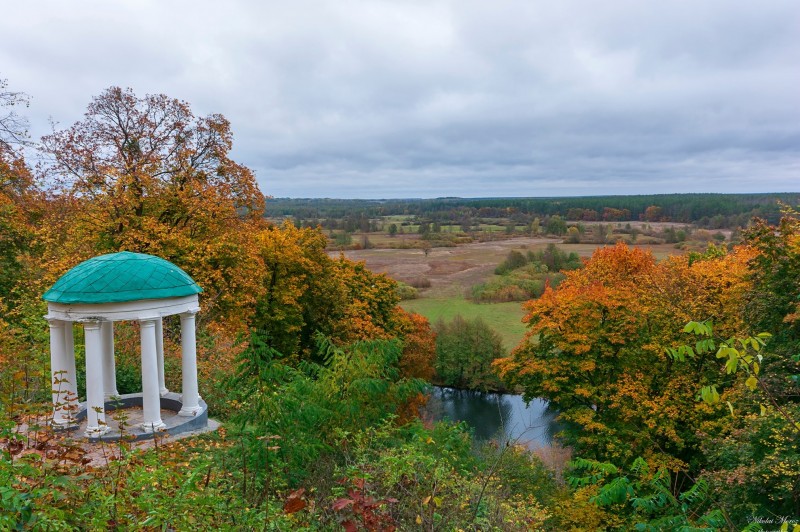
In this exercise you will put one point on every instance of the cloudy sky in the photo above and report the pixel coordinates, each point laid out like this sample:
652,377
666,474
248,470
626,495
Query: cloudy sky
431,98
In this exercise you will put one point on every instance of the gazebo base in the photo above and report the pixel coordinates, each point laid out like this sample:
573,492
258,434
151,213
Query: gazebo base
124,417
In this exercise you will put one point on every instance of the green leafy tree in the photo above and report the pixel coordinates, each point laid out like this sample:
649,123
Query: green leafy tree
514,260
465,351
556,226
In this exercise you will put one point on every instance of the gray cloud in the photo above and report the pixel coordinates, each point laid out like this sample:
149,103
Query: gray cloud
429,98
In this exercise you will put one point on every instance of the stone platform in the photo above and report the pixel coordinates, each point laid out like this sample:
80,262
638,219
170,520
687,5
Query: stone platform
127,409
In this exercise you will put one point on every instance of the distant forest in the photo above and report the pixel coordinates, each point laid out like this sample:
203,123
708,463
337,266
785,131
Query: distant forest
705,210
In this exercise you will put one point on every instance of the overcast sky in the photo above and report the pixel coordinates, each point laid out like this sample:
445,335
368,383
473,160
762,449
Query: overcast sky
429,98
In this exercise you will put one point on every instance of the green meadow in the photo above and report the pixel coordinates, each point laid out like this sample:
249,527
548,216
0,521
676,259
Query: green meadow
505,318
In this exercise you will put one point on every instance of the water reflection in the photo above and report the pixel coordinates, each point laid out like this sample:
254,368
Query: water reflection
495,416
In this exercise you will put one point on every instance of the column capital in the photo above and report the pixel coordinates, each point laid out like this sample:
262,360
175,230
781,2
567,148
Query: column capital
190,312
91,324
148,322
54,323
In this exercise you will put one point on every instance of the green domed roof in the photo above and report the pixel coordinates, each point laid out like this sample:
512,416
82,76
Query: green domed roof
119,277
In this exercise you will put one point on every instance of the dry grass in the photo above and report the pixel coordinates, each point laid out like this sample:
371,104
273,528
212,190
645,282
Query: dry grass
452,271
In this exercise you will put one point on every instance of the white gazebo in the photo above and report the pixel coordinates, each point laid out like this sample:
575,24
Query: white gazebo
96,293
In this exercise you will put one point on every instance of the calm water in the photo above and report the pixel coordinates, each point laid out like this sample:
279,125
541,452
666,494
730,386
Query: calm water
493,415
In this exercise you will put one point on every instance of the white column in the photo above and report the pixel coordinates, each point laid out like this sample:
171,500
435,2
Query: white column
151,401
95,406
190,396
109,366
72,374
162,388
59,373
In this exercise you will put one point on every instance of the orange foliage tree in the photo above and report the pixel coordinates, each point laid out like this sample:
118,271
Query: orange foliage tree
595,349
299,290
419,346
18,213
145,174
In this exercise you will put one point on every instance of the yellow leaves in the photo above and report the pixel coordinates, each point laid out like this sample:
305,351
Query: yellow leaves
419,345
596,343
751,383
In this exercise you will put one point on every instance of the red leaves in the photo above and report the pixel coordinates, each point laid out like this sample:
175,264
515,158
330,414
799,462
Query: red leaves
341,504
365,509
294,502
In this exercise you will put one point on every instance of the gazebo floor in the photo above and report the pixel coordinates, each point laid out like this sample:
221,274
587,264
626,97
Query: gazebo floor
124,418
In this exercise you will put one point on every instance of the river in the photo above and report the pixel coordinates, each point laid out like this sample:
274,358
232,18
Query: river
495,416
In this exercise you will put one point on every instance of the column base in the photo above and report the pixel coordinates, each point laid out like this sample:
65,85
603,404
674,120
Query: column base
111,396
163,391
96,432
153,426
190,411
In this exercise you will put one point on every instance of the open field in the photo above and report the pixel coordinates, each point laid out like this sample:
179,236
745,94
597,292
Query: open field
504,318
453,271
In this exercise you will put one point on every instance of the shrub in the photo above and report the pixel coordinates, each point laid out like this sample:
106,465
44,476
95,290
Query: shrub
420,282
521,285
406,291
514,260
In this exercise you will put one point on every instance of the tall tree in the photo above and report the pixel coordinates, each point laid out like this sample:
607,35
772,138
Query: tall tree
145,174
595,348
13,127
151,156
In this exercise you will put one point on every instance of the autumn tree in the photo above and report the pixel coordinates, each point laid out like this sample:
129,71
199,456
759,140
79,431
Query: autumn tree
301,292
13,126
147,175
653,213
772,304
419,345
17,212
21,207
595,349
754,453
16,189
370,304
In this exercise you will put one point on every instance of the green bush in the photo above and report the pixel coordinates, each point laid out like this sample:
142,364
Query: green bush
465,350
520,285
406,291
514,260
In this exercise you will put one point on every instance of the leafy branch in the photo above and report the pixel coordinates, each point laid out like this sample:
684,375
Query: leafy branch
740,354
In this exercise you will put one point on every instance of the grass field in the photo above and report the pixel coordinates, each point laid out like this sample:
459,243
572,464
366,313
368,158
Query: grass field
453,271
505,318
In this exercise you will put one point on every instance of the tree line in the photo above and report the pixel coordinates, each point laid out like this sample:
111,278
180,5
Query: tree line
707,210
